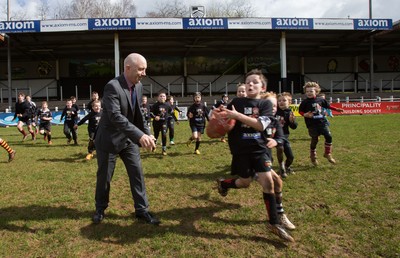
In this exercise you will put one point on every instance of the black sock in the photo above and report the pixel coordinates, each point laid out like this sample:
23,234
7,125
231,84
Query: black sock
270,205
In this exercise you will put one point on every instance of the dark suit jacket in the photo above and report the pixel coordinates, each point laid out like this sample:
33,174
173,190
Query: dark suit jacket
117,125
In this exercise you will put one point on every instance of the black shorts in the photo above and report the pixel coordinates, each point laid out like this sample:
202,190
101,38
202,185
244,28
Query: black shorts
319,130
45,126
246,166
25,120
199,129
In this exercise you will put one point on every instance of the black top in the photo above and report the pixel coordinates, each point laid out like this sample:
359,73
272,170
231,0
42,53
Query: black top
244,139
200,114
70,114
94,119
314,105
162,110
283,116
44,113
24,109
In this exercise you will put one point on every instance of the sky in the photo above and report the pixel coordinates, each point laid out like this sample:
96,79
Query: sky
387,9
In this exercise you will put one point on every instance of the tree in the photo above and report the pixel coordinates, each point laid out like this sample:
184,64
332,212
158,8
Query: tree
96,9
121,8
43,9
171,9
232,8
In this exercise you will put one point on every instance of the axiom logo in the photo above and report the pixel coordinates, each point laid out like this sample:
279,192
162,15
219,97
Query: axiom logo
126,22
206,22
19,25
373,23
292,22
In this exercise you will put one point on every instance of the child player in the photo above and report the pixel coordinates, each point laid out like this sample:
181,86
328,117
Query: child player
241,90
311,109
172,119
275,137
94,118
287,119
22,111
197,114
11,152
95,96
71,119
159,112
44,116
145,108
248,146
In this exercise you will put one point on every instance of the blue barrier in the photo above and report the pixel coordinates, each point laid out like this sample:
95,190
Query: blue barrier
6,118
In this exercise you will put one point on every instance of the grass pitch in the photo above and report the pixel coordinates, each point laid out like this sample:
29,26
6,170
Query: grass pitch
346,210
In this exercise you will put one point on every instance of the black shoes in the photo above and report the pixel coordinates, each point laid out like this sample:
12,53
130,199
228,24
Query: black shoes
98,216
145,216
148,218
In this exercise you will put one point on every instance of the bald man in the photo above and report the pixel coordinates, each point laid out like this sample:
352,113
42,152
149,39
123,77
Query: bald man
121,131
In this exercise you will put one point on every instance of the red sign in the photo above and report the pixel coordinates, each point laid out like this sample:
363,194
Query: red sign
360,108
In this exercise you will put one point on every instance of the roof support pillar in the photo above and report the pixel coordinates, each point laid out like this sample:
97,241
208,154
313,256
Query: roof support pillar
116,54
283,62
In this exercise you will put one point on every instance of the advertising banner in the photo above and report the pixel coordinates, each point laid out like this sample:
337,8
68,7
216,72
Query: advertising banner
205,23
159,23
19,26
6,118
64,25
333,24
250,23
360,108
112,24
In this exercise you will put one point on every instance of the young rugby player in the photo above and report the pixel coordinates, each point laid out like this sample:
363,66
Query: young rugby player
94,118
288,120
248,145
160,112
197,115
71,119
312,110
172,119
44,116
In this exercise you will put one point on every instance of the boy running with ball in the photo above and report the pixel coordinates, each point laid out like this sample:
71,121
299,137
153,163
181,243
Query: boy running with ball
248,145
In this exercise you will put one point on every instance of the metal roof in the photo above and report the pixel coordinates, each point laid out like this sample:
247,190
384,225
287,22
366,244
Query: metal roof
185,43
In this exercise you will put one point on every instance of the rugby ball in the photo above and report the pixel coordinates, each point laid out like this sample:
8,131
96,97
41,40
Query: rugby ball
219,124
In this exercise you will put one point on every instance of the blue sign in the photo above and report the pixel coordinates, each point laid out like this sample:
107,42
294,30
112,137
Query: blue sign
373,24
205,23
112,24
292,23
6,118
19,26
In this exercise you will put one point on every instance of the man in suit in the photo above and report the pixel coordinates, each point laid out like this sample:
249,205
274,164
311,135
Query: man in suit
121,131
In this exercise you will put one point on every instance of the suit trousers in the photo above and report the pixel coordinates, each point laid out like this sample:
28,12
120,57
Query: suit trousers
106,161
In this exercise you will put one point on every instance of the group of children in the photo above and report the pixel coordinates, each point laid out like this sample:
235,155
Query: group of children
38,121
162,117
262,119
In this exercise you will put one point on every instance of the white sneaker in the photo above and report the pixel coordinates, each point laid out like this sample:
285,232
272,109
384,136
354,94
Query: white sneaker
171,143
284,221
281,232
